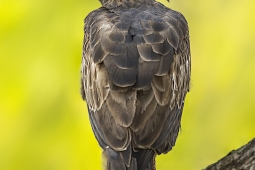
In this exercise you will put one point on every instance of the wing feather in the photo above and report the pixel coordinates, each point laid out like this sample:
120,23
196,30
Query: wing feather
120,77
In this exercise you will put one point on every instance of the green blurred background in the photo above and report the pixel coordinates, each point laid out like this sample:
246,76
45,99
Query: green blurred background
44,123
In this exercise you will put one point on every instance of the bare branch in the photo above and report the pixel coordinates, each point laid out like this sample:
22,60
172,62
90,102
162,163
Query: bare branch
240,159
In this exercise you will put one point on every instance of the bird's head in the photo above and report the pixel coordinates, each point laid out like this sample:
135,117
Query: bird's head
130,3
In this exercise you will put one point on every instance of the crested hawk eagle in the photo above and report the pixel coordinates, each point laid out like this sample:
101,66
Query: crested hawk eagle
134,78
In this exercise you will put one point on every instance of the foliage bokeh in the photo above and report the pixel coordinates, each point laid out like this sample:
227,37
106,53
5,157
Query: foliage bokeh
44,123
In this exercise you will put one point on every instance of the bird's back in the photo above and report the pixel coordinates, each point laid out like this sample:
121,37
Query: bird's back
135,76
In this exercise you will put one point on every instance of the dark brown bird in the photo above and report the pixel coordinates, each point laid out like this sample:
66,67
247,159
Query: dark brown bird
135,75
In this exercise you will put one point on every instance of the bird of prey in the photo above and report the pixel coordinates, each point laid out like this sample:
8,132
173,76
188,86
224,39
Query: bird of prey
134,78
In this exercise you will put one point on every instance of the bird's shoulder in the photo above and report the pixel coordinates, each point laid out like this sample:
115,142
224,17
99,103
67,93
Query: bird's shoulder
144,12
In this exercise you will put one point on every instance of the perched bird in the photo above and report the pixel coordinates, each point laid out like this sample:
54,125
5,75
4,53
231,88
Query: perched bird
134,78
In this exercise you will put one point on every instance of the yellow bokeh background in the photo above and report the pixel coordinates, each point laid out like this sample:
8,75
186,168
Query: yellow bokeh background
44,123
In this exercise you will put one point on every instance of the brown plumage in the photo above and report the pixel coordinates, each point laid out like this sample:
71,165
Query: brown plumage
135,76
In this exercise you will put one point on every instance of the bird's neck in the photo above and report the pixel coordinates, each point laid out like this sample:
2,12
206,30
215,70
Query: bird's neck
110,4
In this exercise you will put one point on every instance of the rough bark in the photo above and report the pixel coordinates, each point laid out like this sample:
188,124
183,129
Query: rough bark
240,159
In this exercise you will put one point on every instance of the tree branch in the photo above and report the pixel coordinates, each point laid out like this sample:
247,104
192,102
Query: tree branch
240,159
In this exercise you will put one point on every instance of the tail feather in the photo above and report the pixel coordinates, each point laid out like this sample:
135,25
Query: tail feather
133,165
134,160
145,159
